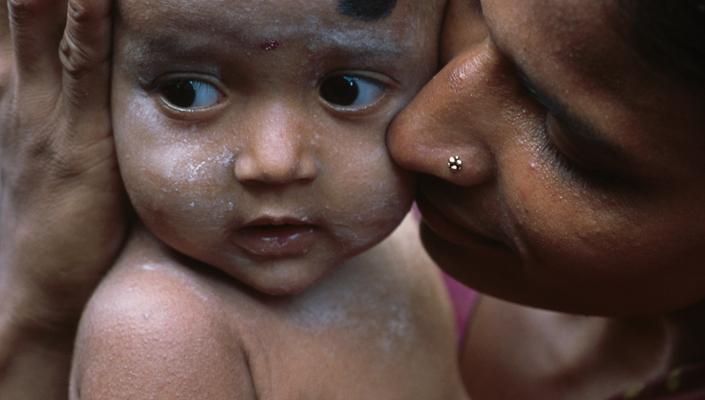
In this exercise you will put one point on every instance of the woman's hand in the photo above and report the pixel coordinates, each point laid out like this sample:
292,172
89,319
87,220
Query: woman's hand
62,207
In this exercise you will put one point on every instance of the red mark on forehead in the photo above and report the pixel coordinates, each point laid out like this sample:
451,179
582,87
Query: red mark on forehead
269,45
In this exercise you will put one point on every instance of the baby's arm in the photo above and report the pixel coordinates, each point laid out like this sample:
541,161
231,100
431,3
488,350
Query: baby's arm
147,335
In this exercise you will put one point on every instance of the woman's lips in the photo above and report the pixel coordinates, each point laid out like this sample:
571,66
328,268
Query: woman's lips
275,239
448,230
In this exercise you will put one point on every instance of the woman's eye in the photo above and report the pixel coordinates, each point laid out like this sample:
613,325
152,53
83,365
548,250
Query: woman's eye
189,93
350,91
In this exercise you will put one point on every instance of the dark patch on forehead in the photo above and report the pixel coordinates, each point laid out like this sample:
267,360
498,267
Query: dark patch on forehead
367,10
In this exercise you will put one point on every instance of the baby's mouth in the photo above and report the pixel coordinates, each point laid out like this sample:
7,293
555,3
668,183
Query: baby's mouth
276,238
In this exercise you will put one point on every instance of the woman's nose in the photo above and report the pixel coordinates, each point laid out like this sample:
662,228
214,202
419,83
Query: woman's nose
277,149
445,131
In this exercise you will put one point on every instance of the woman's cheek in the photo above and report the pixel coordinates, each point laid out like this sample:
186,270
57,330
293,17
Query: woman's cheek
568,231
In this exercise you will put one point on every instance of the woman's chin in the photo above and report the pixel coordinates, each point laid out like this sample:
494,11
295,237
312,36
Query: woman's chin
482,265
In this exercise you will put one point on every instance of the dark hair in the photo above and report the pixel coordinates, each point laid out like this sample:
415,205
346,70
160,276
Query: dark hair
670,35
367,10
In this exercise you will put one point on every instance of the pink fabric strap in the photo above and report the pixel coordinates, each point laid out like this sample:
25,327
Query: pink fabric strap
463,299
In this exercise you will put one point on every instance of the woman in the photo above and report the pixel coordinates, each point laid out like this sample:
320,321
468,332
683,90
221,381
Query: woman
62,218
578,127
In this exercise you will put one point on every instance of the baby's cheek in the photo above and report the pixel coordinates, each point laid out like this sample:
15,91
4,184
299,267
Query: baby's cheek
372,201
182,183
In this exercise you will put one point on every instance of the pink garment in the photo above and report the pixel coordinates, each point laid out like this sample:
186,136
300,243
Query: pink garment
462,297
463,300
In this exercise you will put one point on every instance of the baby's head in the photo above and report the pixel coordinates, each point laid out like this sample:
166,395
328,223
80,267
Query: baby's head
251,133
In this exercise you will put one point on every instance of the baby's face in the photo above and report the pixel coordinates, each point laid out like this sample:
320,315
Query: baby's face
251,133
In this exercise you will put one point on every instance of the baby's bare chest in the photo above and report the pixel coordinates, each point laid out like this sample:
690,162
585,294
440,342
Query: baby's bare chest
344,342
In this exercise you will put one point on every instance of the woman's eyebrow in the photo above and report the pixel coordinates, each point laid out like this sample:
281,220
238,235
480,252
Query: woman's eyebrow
367,10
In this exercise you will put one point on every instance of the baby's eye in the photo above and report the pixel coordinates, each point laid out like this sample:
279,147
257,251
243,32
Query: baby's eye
351,92
189,94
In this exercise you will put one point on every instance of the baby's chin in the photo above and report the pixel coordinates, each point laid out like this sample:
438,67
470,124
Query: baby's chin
282,257
281,276
294,274
287,274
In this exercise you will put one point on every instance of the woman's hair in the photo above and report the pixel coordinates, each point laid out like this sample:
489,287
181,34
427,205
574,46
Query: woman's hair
670,35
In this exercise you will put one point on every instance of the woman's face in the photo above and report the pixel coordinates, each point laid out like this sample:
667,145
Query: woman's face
583,181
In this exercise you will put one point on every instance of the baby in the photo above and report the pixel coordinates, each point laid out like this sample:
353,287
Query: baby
251,141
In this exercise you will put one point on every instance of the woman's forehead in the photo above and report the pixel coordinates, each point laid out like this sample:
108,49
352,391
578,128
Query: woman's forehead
568,44
578,53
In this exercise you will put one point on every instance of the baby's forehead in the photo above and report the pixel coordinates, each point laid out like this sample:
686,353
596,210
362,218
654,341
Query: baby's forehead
221,15
355,27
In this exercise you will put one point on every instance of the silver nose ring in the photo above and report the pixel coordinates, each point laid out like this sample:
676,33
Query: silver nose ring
455,164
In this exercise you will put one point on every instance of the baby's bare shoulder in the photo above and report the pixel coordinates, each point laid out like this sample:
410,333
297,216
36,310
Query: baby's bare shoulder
151,331
146,285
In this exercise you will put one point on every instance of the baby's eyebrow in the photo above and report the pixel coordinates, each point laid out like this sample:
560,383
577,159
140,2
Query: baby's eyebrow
367,10
197,43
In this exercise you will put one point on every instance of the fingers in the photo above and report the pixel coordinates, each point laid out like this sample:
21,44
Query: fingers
5,47
79,69
85,57
35,29
4,27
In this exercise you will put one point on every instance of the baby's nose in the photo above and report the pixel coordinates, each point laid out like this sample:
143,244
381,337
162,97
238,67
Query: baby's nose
278,150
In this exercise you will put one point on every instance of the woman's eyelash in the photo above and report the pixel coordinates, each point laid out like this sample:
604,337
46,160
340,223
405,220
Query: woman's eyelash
576,171
548,148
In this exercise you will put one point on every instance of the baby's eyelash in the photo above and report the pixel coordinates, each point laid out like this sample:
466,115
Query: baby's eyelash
186,96
351,92
355,93
189,94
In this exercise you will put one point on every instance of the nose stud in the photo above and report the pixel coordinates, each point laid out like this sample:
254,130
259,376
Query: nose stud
455,164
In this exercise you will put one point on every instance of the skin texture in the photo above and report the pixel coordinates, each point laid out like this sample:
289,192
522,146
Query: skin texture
378,326
438,125
271,143
564,238
61,203
542,215
188,312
